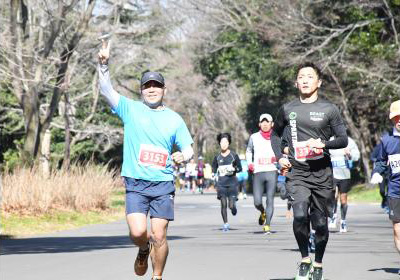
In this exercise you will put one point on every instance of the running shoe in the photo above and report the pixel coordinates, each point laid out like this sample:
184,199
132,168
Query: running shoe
262,218
343,226
304,272
244,196
234,210
141,262
267,229
225,227
240,196
386,209
332,223
317,274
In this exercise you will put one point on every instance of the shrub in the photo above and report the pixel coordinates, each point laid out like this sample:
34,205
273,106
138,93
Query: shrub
82,188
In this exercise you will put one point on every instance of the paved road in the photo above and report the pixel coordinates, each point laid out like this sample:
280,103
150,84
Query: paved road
200,250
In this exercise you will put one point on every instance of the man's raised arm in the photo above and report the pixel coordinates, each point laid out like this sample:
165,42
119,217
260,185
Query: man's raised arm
106,88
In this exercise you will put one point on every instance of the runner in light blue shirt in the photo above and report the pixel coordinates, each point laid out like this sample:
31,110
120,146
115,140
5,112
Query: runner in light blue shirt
150,132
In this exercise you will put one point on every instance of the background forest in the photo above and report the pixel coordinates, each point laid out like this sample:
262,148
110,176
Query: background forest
225,63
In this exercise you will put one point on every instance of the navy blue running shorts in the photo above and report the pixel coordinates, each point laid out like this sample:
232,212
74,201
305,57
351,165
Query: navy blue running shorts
394,209
147,196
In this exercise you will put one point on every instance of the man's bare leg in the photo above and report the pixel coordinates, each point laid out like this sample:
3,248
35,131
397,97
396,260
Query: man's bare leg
137,223
159,252
396,233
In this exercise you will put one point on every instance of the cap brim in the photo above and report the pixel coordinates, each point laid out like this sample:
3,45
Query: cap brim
151,79
394,114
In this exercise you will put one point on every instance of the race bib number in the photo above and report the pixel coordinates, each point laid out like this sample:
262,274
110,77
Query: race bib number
394,161
340,163
153,156
266,161
303,153
226,170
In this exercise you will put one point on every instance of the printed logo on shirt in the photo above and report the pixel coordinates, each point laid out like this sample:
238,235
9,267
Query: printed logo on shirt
317,116
293,126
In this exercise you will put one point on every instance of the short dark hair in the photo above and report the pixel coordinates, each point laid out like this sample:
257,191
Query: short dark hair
312,65
224,135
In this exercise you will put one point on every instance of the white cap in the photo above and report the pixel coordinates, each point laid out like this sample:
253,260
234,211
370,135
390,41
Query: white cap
394,109
268,117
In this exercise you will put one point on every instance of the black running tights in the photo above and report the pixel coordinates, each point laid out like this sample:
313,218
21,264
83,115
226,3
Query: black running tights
224,206
301,229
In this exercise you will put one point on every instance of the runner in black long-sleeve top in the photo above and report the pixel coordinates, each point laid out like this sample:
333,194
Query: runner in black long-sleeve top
312,121
225,166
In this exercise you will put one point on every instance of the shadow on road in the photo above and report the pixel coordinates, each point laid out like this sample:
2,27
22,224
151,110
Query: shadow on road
66,244
386,269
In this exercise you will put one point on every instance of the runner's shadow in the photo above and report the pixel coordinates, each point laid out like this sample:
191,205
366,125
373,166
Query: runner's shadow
220,229
386,269
288,278
291,250
263,233
43,245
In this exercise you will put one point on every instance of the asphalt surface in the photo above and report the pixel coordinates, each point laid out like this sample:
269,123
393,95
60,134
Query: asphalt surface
200,250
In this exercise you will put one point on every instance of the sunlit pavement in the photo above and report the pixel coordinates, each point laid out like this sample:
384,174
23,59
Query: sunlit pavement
200,250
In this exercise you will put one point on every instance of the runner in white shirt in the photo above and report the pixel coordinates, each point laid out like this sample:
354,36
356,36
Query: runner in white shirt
261,160
342,162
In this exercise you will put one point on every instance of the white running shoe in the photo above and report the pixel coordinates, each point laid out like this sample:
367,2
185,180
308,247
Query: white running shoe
332,223
225,227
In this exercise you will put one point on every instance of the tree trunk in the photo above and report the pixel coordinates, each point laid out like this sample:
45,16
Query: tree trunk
353,129
67,154
45,154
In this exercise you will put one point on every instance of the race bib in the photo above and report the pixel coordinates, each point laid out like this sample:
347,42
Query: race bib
150,155
226,170
266,161
394,161
303,153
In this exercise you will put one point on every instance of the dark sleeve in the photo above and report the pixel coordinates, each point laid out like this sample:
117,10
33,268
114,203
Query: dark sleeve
215,165
381,166
238,164
277,132
339,131
374,153
285,138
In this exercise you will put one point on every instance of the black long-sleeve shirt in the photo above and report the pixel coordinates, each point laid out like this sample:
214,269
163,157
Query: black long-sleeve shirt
320,119
226,168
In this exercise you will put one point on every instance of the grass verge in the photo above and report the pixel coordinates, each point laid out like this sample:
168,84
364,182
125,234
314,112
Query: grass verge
15,225
360,193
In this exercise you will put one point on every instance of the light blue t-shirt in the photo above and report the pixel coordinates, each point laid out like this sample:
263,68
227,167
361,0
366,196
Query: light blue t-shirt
149,136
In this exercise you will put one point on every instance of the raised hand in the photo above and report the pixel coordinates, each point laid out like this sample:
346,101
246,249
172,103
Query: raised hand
104,53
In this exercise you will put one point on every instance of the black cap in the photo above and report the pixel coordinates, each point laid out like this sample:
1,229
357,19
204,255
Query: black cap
152,76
